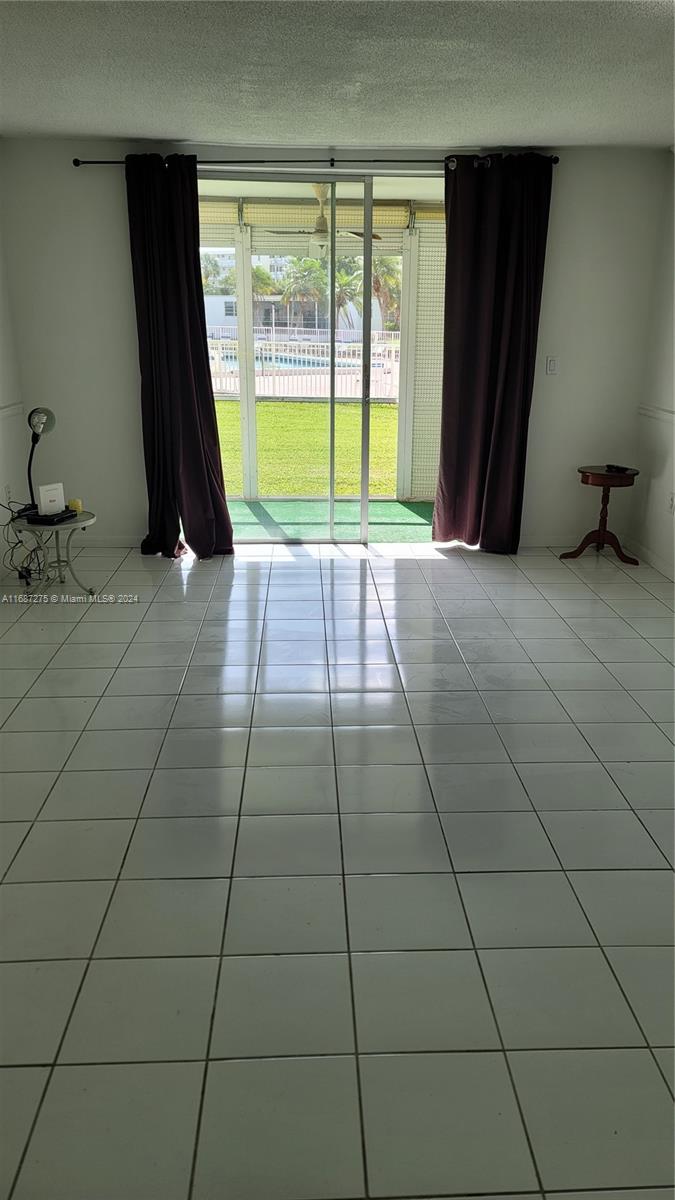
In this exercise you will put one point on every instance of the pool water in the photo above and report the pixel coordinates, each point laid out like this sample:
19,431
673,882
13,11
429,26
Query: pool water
291,360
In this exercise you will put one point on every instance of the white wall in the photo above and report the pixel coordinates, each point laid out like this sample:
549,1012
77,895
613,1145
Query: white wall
69,275
14,436
603,245
67,239
652,528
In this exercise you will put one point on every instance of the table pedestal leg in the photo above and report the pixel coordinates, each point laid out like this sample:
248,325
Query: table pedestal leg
602,527
602,537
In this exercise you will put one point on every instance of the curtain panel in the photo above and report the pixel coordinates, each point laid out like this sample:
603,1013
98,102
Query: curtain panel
496,225
180,434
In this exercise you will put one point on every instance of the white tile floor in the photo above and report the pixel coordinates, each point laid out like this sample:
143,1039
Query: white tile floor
329,874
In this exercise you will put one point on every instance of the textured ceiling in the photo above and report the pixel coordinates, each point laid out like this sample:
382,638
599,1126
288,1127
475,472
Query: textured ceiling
392,73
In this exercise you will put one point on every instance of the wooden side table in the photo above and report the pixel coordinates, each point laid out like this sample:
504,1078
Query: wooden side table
602,476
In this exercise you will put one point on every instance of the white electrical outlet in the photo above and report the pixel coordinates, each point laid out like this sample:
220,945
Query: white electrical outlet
671,503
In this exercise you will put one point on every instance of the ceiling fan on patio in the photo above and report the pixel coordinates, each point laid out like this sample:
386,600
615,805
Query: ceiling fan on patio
319,236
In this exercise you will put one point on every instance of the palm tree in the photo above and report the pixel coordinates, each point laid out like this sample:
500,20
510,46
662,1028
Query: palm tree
386,287
229,282
394,321
212,275
305,281
347,295
262,283
387,284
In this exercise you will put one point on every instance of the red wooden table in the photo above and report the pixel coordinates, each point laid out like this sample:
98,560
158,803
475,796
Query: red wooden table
604,477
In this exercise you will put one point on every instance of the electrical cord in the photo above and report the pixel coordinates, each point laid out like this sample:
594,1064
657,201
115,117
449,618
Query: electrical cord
28,563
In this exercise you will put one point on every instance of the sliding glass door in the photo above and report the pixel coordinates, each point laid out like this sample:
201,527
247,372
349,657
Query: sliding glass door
291,360
351,271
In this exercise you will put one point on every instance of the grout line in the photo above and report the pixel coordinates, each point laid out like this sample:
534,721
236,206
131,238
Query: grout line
482,1051
603,950
235,843
351,812
450,948
600,946
59,770
345,909
80,987
666,869
477,960
591,926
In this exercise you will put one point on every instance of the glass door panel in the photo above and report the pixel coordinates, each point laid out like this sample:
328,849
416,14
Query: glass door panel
218,266
351,322
291,339
290,356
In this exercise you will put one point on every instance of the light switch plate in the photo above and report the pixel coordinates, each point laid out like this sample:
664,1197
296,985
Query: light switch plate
551,364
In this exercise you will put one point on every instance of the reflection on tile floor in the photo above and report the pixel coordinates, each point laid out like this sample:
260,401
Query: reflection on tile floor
332,872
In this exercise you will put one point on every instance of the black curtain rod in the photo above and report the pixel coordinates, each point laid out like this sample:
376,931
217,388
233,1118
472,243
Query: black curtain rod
268,162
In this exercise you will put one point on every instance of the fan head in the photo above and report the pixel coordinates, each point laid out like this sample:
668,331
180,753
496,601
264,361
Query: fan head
319,236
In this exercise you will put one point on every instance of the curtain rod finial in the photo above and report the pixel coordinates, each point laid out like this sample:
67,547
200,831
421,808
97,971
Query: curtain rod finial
77,162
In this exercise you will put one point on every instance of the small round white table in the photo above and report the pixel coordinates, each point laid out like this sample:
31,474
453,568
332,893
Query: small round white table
61,562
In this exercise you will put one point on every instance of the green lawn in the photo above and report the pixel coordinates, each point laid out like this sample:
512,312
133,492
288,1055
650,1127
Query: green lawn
293,448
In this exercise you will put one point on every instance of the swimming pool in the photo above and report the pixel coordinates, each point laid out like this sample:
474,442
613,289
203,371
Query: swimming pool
263,360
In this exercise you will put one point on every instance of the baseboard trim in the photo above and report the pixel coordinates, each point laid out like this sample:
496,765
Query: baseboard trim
648,556
115,541
11,410
656,414
644,553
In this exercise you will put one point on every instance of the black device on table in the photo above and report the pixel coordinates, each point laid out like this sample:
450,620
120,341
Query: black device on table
59,518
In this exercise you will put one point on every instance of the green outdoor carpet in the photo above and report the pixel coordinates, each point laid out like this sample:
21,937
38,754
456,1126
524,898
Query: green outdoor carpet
304,520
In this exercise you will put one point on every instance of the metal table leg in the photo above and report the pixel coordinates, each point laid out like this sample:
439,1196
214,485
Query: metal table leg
59,560
69,566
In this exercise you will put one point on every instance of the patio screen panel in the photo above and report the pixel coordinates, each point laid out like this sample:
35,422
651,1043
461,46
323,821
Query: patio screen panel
298,244
428,358
218,223
274,226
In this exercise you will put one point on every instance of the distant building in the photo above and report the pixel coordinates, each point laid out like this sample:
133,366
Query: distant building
225,259
271,312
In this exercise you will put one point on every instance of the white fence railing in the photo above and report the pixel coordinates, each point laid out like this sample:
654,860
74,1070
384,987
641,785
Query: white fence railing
298,333
298,367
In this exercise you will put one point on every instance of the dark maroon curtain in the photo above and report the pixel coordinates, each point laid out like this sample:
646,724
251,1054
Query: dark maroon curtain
496,224
180,434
